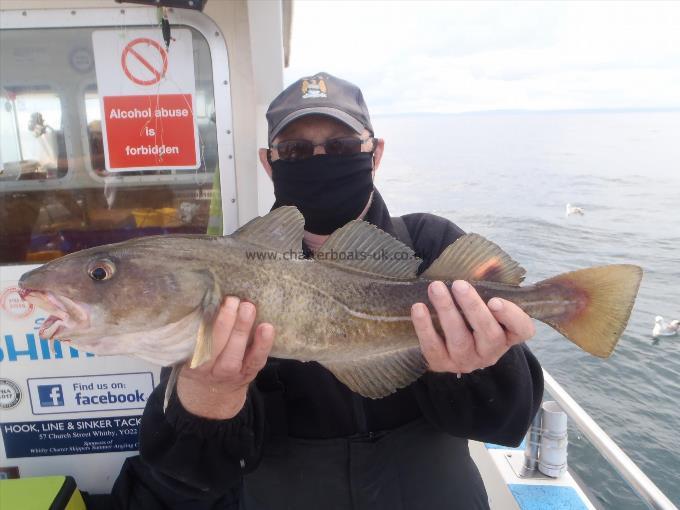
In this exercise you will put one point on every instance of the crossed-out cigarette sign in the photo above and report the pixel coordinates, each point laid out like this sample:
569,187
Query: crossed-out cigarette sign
147,100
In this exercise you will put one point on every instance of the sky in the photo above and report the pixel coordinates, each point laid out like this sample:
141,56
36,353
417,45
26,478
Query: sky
454,56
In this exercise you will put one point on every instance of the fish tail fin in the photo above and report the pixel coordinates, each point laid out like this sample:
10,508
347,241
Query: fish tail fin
609,293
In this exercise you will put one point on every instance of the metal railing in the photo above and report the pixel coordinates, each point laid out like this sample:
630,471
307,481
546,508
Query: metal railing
640,483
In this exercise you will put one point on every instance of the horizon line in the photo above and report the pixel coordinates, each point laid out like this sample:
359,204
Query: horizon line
530,111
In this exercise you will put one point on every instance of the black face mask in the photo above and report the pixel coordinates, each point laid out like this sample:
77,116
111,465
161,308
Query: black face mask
329,190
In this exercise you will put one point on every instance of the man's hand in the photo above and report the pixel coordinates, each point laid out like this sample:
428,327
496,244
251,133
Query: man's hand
463,351
217,389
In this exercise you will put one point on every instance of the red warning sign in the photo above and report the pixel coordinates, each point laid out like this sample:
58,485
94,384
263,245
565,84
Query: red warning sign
147,100
144,61
150,131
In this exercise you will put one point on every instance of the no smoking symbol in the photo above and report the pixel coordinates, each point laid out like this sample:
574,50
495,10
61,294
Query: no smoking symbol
144,61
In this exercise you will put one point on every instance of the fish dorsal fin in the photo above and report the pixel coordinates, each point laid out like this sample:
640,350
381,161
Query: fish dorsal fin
473,257
382,374
281,230
363,248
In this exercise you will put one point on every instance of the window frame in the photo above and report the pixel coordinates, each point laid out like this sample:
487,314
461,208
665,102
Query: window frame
106,17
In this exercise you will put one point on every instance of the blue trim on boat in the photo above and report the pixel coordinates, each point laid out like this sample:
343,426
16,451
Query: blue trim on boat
492,446
546,497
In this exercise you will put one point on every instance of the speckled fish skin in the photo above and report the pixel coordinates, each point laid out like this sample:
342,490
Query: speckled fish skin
318,311
323,312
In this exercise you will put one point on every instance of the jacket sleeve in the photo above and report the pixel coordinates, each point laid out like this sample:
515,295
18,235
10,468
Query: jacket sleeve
189,458
496,404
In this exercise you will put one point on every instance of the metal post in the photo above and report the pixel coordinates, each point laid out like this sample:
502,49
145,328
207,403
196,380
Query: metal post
16,128
533,438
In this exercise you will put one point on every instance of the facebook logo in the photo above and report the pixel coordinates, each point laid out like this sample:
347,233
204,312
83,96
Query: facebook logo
50,395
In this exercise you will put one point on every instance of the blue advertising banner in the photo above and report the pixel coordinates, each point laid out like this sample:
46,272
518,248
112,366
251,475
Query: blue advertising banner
70,437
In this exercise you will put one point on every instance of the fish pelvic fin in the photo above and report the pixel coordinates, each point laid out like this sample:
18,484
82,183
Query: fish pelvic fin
203,349
209,307
474,258
609,294
382,374
170,386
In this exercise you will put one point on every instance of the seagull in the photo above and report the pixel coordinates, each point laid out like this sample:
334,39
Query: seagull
571,210
663,328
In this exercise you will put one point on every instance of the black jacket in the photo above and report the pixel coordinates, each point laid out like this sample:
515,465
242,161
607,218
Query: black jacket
187,458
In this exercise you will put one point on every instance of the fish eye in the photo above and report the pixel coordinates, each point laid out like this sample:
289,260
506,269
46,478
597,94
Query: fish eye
101,270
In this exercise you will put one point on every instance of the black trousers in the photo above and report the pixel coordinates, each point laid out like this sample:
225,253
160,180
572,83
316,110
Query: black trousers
414,467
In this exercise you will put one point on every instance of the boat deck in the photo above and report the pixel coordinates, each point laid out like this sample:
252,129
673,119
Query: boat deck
508,491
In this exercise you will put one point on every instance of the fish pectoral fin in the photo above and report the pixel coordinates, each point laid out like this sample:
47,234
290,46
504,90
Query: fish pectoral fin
363,248
473,257
382,374
281,230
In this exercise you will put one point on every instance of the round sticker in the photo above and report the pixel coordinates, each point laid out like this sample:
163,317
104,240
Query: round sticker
10,394
11,302
81,60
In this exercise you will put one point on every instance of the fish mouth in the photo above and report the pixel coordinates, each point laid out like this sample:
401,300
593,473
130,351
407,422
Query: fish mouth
52,328
66,315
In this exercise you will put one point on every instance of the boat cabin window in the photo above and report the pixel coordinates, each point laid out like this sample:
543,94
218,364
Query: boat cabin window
32,134
56,193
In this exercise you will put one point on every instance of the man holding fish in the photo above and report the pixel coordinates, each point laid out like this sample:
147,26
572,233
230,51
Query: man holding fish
297,438
350,377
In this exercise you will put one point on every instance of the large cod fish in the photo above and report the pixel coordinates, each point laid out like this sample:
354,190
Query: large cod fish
348,309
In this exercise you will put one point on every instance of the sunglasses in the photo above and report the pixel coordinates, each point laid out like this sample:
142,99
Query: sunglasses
297,150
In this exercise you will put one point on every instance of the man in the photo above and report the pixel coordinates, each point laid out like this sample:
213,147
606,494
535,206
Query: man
245,432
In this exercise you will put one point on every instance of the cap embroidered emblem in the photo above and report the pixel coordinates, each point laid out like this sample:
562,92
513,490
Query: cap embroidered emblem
312,88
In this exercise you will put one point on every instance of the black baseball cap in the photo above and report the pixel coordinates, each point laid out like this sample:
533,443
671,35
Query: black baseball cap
321,94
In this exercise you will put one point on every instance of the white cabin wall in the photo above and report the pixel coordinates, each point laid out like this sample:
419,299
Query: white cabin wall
232,18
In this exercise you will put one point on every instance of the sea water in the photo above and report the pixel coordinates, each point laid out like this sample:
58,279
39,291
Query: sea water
509,176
